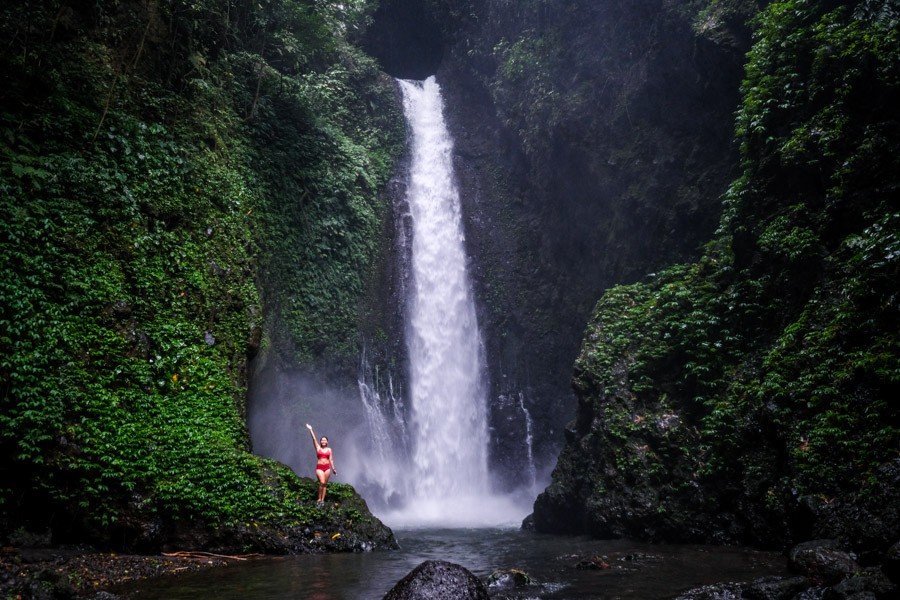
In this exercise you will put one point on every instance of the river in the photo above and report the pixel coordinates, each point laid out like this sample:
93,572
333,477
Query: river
638,570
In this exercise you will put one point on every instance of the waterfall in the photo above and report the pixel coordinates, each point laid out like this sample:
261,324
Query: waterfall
442,471
447,374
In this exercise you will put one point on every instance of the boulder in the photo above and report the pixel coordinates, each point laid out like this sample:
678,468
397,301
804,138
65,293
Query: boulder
823,561
766,588
438,580
718,591
507,579
869,582
47,584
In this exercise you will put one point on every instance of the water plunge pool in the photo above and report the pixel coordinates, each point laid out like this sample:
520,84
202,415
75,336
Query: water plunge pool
638,570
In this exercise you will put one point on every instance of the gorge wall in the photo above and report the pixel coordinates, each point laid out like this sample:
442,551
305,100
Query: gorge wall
743,396
747,396
593,141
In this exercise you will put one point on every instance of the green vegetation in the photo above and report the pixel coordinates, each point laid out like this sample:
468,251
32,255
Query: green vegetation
168,169
525,86
778,349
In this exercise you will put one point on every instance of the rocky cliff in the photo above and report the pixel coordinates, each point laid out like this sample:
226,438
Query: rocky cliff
750,395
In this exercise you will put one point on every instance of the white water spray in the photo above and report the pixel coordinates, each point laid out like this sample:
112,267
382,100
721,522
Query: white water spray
387,429
448,482
446,371
437,474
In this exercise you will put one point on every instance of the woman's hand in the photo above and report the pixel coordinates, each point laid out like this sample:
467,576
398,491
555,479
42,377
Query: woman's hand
308,426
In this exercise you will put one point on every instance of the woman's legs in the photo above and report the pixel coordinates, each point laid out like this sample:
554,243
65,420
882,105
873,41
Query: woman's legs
323,477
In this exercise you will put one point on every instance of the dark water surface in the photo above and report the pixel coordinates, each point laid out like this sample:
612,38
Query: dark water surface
639,571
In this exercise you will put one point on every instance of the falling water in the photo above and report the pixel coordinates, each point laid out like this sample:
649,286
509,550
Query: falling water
383,410
442,479
529,442
446,374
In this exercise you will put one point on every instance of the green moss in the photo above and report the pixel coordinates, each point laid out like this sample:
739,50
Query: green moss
167,171
325,213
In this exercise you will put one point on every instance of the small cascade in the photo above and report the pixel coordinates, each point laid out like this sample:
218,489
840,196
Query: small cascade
383,409
529,442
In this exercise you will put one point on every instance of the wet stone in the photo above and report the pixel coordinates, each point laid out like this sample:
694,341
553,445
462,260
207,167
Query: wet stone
813,593
640,557
505,579
719,591
822,561
438,580
594,563
892,563
776,588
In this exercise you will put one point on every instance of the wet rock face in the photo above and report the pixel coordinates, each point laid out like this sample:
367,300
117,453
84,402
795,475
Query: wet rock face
868,520
438,580
767,588
892,563
723,591
863,584
776,588
405,39
344,524
826,572
666,443
329,534
618,175
49,585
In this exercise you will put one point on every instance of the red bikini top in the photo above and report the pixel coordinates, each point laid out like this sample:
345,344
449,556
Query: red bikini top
323,454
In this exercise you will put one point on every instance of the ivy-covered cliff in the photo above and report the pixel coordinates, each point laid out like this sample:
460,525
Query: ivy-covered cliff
178,181
751,395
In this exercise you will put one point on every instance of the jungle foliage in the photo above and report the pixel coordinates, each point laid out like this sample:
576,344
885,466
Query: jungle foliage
766,374
168,168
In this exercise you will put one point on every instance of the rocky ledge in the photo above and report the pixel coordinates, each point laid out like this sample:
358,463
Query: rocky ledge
338,527
36,566
72,572
824,571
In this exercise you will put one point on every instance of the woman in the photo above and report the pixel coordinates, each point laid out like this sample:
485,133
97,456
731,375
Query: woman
324,464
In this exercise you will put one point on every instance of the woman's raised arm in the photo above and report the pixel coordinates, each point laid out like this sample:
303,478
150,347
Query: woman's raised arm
313,434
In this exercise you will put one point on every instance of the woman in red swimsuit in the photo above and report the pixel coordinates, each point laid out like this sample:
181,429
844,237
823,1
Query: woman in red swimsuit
324,464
